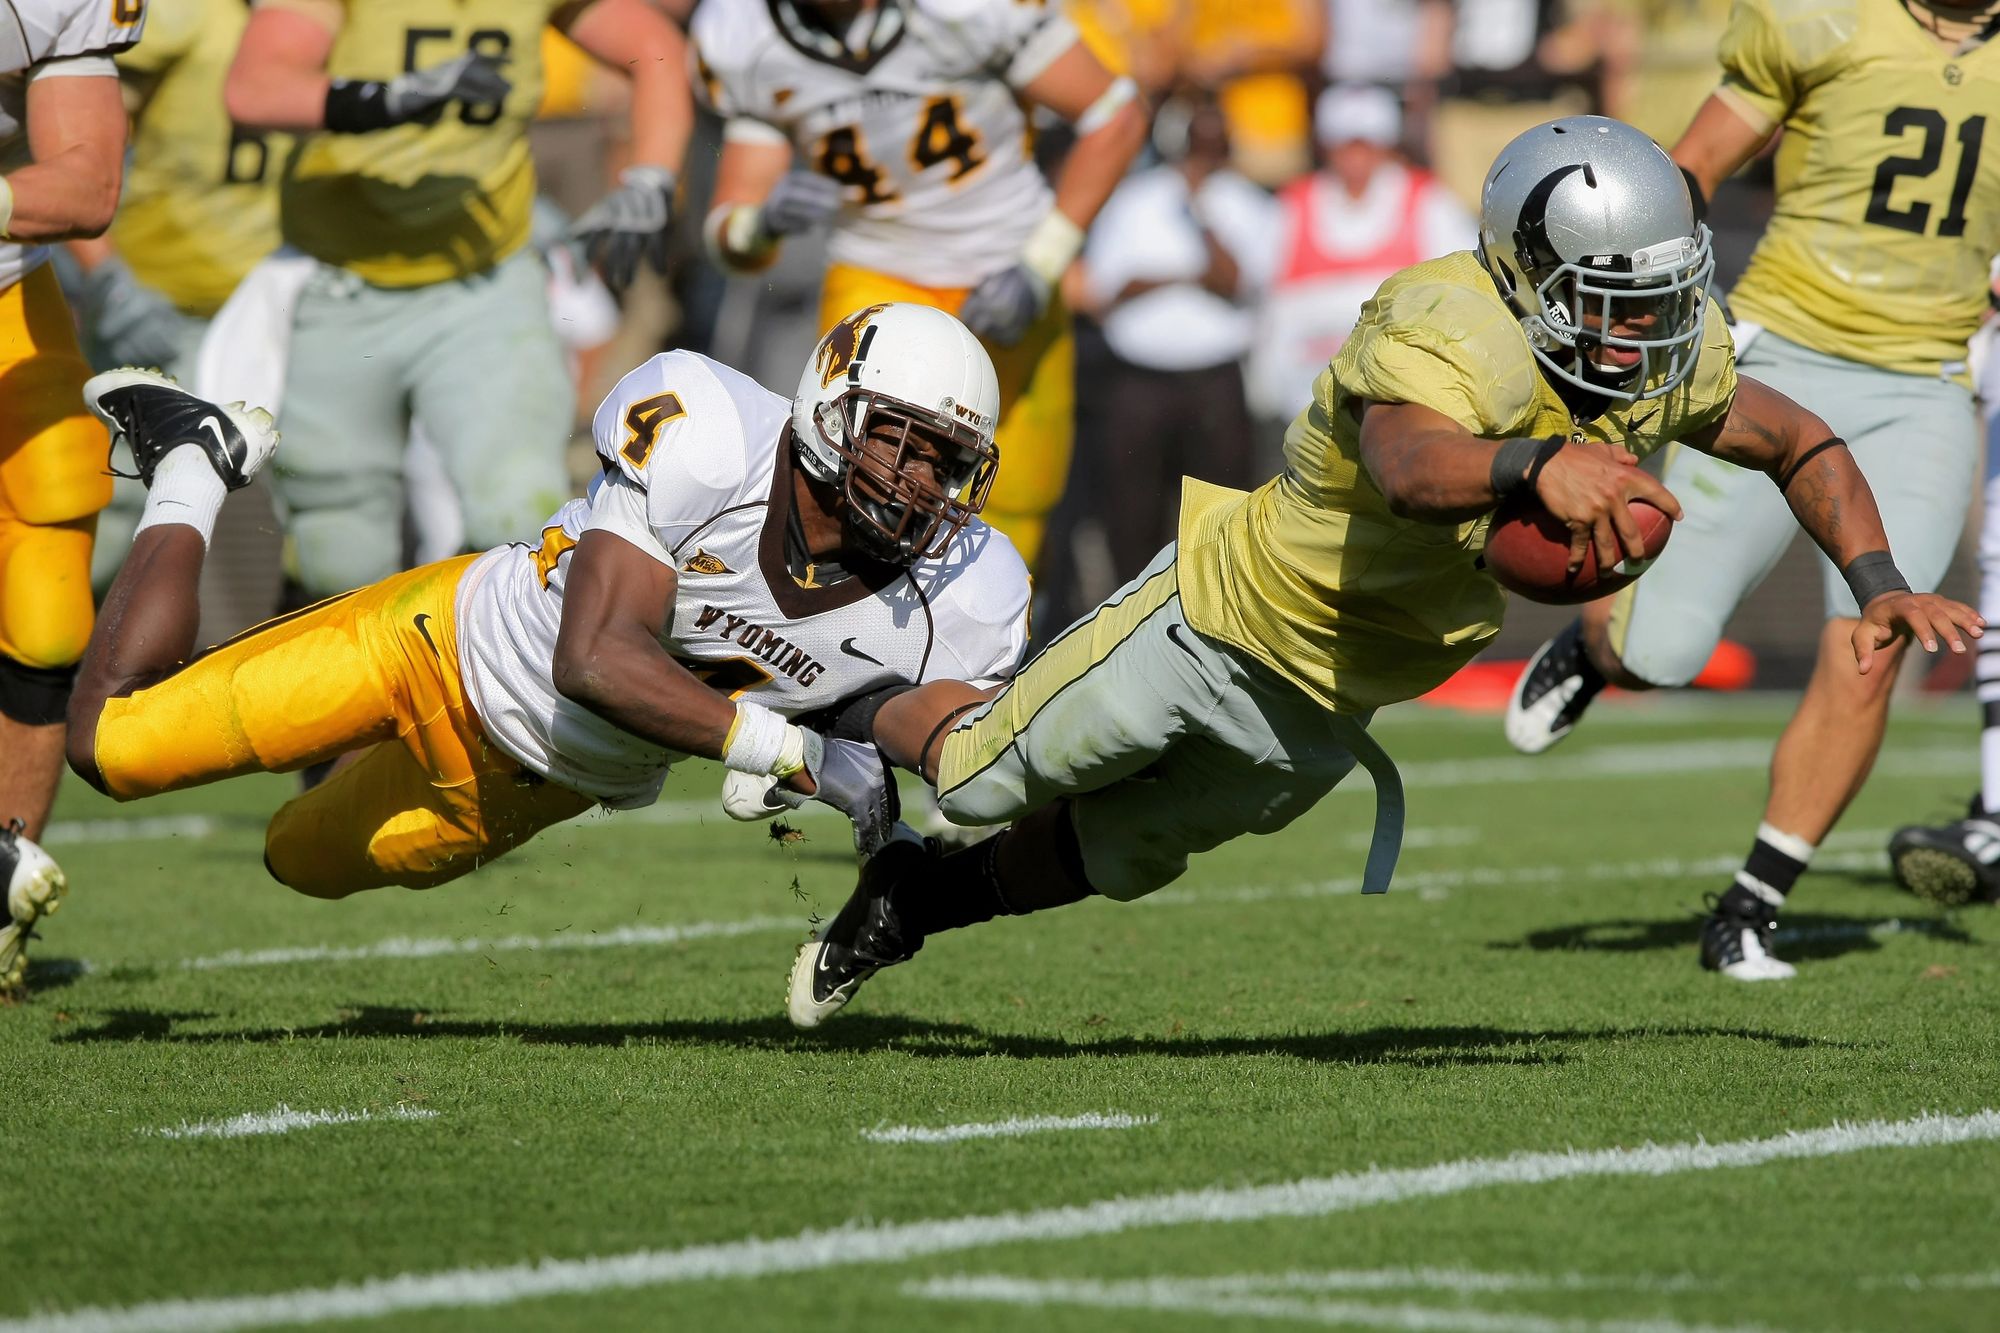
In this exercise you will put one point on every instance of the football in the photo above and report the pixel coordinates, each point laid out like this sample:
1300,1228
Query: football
1527,552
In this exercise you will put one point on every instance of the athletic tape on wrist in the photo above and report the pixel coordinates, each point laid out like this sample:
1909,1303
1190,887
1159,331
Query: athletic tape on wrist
735,238
1516,464
1051,246
756,740
6,205
1099,113
1872,574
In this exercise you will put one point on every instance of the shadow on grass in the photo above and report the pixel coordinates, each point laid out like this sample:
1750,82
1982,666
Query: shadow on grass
1420,1046
1801,935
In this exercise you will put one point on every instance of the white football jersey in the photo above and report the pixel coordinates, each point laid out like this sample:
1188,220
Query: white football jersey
927,133
698,474
52,39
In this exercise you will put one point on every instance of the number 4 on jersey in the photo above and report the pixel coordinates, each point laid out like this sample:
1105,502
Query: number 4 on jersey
941,137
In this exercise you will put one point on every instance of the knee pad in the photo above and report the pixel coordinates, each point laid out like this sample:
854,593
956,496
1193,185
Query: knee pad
34,696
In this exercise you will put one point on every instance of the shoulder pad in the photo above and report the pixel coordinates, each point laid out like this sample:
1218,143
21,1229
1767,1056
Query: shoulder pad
690,432
66,29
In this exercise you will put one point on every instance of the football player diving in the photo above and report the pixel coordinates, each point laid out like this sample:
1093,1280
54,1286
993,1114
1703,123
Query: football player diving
62,157
741,559
1229,687
904,125
1858,300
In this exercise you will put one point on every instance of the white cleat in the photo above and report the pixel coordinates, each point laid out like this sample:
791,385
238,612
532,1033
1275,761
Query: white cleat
1549,698
155,416
1738,946
35,886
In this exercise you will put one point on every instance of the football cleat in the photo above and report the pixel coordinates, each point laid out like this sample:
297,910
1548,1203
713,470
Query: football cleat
1550,696
1949,864
35,885
1738,945
156,416
866,936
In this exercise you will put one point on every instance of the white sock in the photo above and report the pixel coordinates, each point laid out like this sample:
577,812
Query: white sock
186,490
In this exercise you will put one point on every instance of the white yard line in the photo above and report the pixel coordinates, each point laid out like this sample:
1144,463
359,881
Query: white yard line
1462,1281
282,1120
1196,1297
1005,1129
893,1242
146,828
1939,1282
1428,883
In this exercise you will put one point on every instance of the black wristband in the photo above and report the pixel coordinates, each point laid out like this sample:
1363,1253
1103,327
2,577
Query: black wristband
1872,574
357,106
1695,196
1516,464
1792,472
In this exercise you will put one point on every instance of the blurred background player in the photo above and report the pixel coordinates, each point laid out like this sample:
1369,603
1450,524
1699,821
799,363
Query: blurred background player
413,190
902,123
62,152
1859,301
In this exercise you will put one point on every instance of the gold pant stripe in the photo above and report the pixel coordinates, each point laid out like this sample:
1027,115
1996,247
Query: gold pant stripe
973,748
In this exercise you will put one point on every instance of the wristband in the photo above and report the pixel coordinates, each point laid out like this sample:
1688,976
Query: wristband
735,238
1051,246
6,205
758,742
1872,574
1099,113
1792,472
1516,464
357,106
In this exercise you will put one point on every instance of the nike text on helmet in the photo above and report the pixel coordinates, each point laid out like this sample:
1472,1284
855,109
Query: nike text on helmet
1588,230
897,407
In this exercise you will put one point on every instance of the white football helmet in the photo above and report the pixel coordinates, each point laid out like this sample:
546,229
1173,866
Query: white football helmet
1587,226
888,389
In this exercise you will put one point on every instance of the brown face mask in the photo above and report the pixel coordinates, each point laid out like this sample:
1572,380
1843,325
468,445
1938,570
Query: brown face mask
912,481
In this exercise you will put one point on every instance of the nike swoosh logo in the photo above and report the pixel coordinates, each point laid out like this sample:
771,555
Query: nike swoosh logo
1634,423
1174,633
425,630
214,427
822,960
847,646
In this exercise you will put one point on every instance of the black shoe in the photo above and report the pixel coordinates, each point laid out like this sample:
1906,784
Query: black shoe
1552,693
157,416
866,936
1950,864
1738,944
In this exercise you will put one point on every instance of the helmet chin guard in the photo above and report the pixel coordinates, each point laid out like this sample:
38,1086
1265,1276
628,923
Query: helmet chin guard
896,409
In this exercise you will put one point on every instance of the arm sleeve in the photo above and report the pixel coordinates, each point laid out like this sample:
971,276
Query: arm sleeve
76,67
1759,74
618,506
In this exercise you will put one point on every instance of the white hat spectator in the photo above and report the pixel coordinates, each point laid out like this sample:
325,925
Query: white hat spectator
1347,112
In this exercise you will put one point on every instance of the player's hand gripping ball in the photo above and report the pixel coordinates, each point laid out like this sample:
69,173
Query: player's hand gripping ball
1527,552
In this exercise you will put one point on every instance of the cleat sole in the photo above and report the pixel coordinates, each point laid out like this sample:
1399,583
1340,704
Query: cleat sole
1934,876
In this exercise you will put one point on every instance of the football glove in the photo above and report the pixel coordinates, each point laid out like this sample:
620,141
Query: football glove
750,797
854,778
628,225
800,201
473,78
1004,304
136,325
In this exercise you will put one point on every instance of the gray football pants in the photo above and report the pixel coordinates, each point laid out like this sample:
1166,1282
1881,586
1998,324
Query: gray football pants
473,362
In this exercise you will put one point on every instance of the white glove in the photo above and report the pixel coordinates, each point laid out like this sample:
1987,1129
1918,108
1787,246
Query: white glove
854,778
628,225
474,79
800,201
1003,306
754,796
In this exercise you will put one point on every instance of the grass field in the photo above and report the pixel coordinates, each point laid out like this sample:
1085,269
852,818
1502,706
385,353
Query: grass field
566,1096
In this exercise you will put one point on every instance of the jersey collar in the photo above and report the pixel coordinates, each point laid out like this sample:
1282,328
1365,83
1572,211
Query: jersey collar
815,43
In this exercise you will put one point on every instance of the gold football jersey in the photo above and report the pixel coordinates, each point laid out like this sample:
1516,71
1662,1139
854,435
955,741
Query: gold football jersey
431,200
201,204
1312,575
1888,206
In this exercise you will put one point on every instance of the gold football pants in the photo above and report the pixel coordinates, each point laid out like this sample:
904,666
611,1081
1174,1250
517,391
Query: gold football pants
53,478
1037,398
376,671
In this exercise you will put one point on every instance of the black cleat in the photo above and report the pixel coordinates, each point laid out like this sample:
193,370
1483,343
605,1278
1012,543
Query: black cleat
1550,696
156,416
866,936
1949,864
1738,944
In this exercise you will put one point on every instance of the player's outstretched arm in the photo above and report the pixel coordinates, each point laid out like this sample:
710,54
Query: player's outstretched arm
608,658
910,728
1717,144
1431,469
76,131
1769,432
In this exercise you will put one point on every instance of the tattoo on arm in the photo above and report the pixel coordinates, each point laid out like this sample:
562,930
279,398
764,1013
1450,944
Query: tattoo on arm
1817,498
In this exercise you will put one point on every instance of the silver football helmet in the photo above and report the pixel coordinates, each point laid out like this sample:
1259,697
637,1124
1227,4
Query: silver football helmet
1587,228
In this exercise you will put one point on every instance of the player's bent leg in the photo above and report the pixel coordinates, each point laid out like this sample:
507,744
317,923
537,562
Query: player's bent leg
413,813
